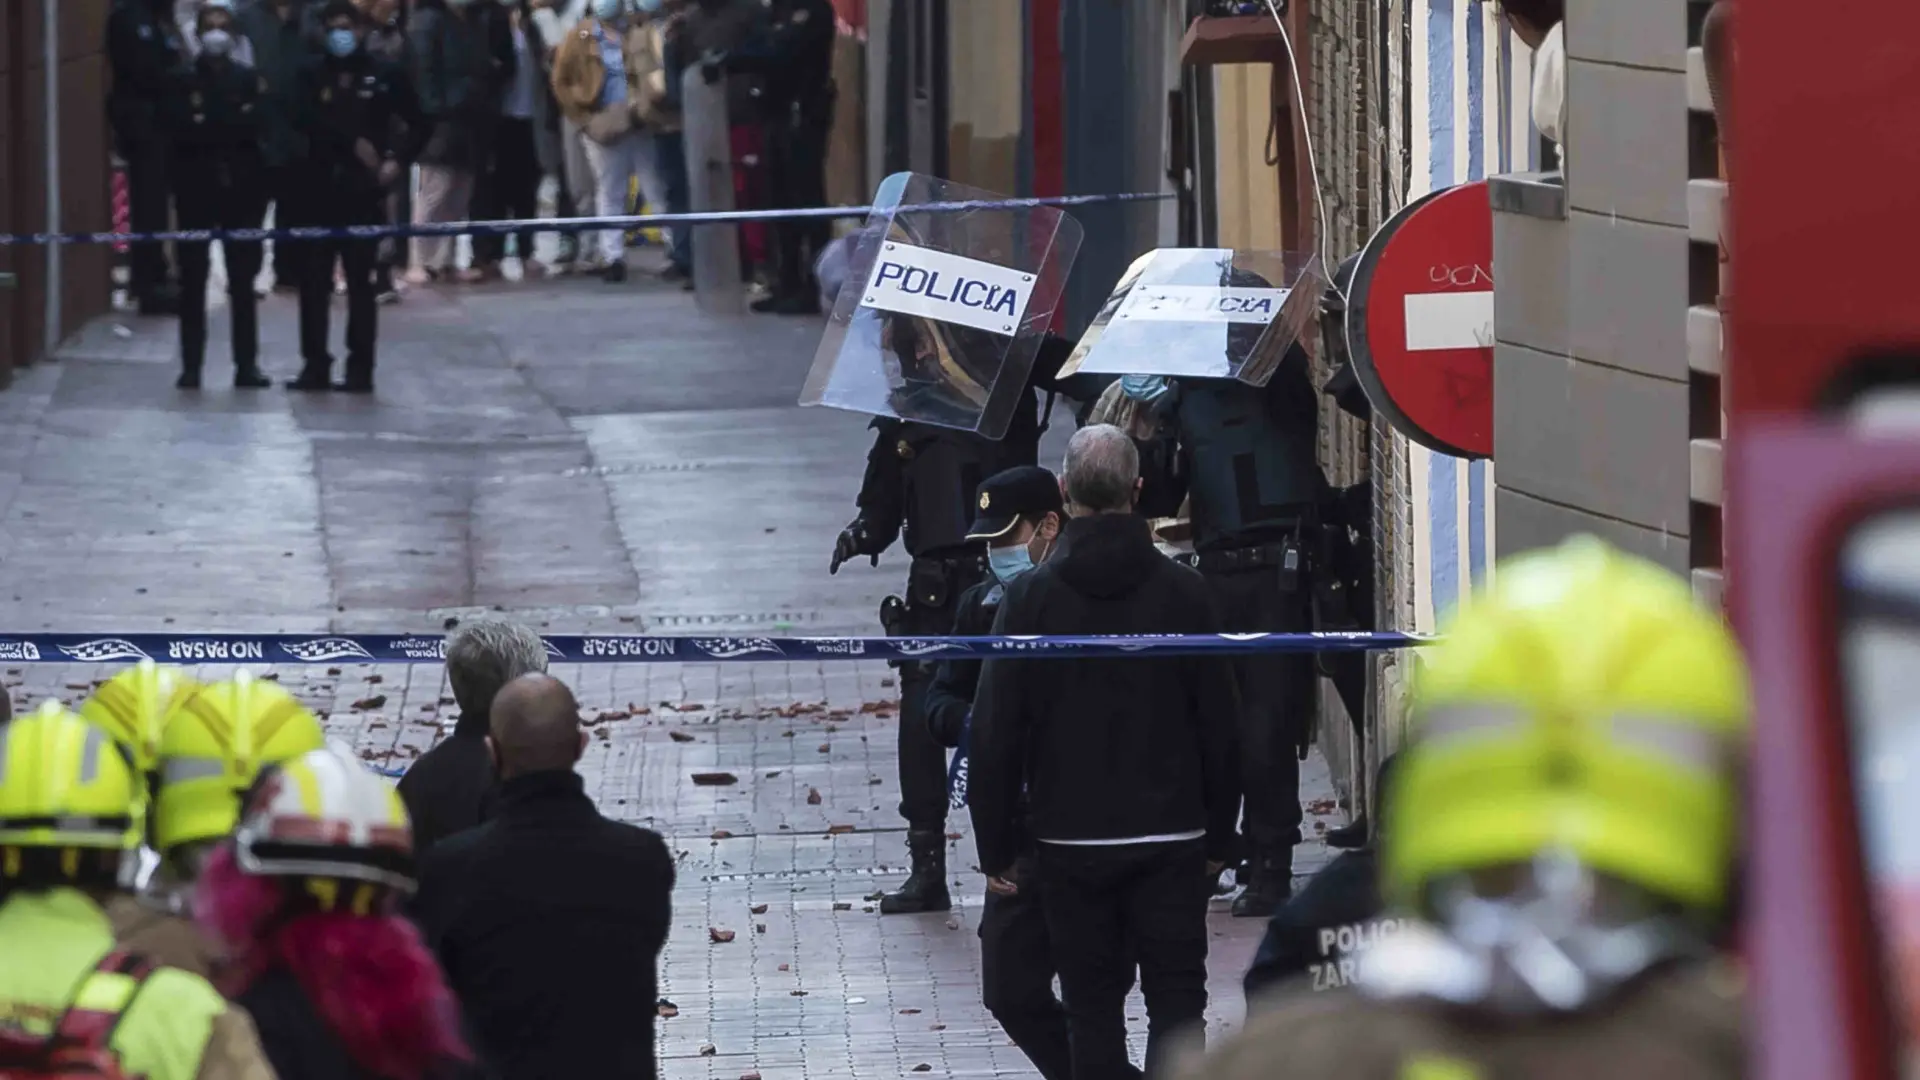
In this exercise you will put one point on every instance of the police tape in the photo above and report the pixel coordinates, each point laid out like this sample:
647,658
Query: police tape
646,649
567,225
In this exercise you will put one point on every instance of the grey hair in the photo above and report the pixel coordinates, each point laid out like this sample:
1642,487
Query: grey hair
487,654
1101,469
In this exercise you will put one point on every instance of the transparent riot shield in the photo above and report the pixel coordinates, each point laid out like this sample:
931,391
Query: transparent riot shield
944,306
1204,313
716,248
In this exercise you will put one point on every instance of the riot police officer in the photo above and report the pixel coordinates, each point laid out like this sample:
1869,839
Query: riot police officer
919,487
219,180
1245,455
351,105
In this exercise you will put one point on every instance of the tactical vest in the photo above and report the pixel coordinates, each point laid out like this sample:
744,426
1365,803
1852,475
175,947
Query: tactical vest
1250,456
943,469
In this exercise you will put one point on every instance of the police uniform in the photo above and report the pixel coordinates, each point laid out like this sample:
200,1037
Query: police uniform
1016,957
219,182
343,102
919,487
147,57
1246,457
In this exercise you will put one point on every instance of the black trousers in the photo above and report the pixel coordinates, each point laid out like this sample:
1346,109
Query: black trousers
147,209
510,188
1113,908
323,205
923,761
288,255
1016,974
210,198
1276,699
797,153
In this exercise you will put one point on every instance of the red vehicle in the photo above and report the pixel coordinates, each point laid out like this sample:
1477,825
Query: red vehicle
1823,526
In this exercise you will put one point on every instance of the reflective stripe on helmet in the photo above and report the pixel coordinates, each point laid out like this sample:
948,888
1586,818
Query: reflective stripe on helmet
1470,721
176,770
1675,740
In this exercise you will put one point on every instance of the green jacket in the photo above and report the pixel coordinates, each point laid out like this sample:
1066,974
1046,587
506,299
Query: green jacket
174,1026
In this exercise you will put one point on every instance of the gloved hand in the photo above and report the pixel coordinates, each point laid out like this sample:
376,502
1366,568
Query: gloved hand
855,540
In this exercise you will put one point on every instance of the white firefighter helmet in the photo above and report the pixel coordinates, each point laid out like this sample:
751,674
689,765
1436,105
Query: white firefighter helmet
326,817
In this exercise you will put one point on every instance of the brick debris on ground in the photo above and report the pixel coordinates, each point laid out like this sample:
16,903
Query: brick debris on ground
589,459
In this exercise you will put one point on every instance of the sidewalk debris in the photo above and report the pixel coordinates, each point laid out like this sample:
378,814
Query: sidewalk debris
715,779
666,1009
719,936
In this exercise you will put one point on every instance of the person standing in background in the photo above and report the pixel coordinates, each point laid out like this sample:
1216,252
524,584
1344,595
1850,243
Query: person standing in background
187,12
283,36
387,43
675,57
452,69
512,180
555,19
212,122
603,78
715,28
148,60
351,105
794,54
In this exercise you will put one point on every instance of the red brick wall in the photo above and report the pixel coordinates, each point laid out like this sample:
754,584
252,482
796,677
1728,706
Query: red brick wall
85,280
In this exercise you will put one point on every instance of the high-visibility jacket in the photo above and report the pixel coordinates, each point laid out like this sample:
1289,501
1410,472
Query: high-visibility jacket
172,1026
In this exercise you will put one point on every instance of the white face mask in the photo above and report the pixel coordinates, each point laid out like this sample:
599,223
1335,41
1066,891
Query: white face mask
216,43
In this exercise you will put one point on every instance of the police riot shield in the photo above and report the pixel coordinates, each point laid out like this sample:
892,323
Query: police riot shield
717,286
948,294
1204,313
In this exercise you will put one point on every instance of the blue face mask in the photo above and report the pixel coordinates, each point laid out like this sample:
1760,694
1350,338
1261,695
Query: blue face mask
1009,562
341,43
1145,389
650,6
609,10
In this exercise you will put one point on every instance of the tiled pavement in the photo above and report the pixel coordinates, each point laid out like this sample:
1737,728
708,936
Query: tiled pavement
587,458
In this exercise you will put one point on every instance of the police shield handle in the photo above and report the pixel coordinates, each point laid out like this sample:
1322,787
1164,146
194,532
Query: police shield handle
717,287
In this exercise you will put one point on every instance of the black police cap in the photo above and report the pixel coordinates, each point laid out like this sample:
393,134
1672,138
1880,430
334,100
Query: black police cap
1005,497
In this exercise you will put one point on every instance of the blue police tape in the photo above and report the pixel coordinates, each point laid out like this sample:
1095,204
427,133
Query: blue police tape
502,228
644,649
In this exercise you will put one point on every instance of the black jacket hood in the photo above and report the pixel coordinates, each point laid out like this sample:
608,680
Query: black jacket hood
1107,555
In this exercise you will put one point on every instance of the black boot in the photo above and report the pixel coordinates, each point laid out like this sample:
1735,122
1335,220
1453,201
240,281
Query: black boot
926,887
1271,886
1349,837
250,377
189,377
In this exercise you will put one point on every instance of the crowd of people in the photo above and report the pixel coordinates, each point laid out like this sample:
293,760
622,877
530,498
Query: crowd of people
343,113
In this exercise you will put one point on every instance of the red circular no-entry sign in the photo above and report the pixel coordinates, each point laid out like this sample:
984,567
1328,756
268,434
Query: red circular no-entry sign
1420,321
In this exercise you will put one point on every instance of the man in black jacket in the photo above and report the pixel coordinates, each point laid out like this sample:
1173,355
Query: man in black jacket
1126,765
446,790
1020,512
549,918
